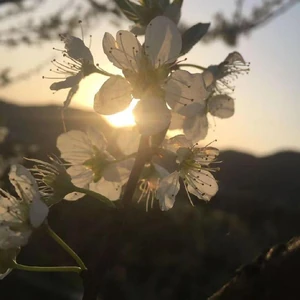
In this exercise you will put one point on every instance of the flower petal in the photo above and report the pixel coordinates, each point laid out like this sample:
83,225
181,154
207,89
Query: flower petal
221,106
124,52
152,115
195,128
128,140
176,142
167,191
114,96
38,212
118,172
75,146
76,48
81,176
110,190
185,93
12,239
74,196
161,171
202,184
70,95
24,183
67,83
97,139
206,155
209,77
234,57
162,41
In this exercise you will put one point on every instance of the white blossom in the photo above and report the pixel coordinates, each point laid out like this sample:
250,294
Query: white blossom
53,179
221,106
219,78
147,77
194,169
92,167
19,216
79,59
149,183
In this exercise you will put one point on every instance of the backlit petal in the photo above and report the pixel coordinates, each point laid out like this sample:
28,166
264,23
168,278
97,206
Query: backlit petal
167,191
128,140
81,176
195,128
221,106
38,212
114,96
177,142
202,184
162,41
24,183
110,190
124,52
118,172
206,155
97,139
184,92
75,146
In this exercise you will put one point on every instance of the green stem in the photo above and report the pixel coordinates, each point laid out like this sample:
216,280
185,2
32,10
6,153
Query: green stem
93,194
123,159
45,269
193,66
67,248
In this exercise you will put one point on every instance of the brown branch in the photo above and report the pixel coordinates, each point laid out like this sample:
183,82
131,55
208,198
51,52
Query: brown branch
144,153
273,275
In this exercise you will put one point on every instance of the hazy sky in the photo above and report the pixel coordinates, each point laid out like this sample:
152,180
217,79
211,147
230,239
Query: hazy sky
267,100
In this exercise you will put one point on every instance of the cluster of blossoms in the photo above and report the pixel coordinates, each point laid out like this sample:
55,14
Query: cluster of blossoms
168,98
168,95
19,216
146,166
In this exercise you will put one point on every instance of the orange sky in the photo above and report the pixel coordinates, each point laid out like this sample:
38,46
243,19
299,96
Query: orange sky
267,100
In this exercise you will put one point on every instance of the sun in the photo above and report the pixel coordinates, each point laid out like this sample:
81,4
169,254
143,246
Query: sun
124,118
84,98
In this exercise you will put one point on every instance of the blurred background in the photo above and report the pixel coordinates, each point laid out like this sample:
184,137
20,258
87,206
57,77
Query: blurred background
187,253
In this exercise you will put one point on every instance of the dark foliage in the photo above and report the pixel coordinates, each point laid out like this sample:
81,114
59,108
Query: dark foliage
186,253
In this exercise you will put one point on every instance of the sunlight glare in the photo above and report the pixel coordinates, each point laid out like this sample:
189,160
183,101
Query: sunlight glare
124,118
84,98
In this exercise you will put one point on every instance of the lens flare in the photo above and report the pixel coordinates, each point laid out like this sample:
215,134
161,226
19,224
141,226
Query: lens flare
124,118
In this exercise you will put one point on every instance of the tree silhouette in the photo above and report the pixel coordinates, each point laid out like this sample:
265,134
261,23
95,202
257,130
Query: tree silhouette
34,27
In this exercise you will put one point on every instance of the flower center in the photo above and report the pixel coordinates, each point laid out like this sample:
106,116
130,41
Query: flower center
97,163
146,78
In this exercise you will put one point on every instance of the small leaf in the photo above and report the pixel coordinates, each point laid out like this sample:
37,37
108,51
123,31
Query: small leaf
173,12
131,10
192,36
179,2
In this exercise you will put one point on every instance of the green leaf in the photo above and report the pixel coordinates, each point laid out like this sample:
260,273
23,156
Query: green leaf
148,3
192,36
163,4
173,12
179,2
131,10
